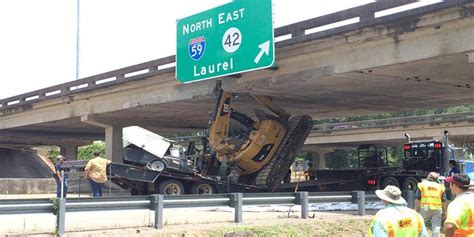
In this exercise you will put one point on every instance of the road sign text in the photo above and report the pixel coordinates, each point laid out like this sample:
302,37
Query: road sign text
232,38
225,17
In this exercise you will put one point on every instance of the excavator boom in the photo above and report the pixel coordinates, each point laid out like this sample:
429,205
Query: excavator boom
219,128
268,103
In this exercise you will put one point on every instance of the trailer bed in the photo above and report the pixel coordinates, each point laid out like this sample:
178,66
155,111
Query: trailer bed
135,177
338,179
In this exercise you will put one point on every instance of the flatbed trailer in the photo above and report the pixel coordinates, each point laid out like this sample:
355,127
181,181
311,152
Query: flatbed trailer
140,180
372,172
367,179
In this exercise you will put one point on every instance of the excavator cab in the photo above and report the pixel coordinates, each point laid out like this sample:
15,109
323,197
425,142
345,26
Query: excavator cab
266,147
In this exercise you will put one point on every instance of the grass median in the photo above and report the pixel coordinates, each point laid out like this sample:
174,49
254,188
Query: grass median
321,228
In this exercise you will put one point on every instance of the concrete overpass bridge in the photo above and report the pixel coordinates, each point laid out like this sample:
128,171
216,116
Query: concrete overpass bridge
391,131
388,132
420,58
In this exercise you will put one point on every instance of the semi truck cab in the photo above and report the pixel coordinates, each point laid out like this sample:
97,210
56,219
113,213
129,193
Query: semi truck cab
426,155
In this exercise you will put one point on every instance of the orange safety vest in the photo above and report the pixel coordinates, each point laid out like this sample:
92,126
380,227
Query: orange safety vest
431,195
399,221
466,225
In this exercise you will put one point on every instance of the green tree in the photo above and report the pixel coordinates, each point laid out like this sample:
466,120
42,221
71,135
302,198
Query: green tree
395,155
87,152
340,158
53,154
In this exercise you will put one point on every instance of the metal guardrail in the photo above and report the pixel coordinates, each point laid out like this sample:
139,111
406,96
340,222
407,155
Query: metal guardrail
296,32
158,202
402,121
20,206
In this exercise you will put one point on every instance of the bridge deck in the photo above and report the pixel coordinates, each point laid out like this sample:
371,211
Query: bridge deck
420,58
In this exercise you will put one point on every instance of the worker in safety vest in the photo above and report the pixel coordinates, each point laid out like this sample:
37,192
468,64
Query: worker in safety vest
460,218
430,201
396,220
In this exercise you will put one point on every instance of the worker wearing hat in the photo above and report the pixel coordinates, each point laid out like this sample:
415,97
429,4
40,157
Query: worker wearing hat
459,220
60,180
430,201
396,219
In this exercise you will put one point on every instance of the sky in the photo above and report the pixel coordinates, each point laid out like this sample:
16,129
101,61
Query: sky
38,38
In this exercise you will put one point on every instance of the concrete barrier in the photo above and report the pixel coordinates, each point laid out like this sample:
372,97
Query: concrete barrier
27,186
44,186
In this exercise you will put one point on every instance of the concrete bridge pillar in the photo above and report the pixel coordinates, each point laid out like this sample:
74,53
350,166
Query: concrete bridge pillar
69,151
322,157
113,144
319,159
113,138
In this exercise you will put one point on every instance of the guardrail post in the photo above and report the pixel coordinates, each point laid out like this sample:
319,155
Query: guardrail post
361,203
62,216
62,184
354,197
236,201
301,198
158,206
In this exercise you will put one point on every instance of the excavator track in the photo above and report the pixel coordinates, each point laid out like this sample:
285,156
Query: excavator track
275,171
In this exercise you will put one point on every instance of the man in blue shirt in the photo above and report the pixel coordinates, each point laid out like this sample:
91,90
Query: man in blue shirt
453,168
59,178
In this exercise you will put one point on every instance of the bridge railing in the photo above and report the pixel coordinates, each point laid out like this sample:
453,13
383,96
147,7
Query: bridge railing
295,33
402,121
363,12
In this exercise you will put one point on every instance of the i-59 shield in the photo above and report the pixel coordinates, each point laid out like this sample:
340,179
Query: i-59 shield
197,46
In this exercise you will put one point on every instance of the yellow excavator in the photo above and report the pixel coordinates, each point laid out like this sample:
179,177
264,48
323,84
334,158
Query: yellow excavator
262,152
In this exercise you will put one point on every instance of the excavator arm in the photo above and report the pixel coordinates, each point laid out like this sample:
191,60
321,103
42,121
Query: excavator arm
219,128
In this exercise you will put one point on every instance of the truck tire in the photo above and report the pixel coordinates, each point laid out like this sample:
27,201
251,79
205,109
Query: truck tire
170,187
203,189
390,180
410,183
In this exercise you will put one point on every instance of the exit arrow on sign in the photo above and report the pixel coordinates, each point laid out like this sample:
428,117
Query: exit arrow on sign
264,48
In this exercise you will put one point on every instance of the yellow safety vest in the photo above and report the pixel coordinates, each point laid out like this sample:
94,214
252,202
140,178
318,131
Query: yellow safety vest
466,223
398,221
431,195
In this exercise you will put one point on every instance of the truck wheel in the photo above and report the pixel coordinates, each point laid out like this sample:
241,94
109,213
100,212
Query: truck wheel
171,187
202,188
389,181
156,165
410,183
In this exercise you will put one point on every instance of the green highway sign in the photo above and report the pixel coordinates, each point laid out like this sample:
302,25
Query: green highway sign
229,39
